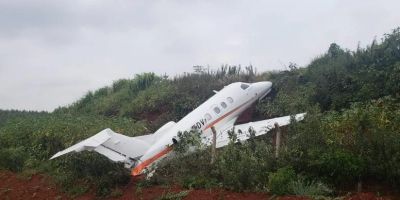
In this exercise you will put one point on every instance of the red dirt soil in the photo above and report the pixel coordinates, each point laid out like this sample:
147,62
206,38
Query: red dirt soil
13,186
36,187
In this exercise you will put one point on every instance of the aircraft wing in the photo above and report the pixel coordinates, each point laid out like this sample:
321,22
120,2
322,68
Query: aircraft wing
116,147
221,129
260,128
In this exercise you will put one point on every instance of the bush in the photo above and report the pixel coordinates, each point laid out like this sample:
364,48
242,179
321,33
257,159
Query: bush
344,147
196,182
237,167
29,142
303,187
245,166
279,182
174,195
13,159
339,166
286,181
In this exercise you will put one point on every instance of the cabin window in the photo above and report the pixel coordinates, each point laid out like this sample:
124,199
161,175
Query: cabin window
223,104
229,99
207,116
244,86
217,110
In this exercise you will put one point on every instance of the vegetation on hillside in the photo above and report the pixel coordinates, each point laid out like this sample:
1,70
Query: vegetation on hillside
350,134
6,115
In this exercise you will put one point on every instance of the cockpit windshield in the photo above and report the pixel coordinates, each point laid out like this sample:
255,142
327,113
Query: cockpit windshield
244,86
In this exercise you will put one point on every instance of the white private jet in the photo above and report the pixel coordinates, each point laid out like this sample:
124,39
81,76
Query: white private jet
220,111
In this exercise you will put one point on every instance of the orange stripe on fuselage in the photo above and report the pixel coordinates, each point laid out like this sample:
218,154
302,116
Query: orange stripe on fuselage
138,169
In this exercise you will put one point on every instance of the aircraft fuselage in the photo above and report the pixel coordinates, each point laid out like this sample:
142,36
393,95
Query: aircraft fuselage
222,108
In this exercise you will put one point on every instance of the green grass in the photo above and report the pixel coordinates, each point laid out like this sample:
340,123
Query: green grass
174,195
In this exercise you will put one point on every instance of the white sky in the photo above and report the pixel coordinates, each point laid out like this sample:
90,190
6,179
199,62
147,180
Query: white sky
52,52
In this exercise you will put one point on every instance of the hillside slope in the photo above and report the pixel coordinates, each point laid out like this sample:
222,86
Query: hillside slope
351,133
333,80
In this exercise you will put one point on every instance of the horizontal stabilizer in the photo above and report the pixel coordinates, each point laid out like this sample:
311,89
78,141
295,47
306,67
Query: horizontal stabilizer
112,155
115,146
88,144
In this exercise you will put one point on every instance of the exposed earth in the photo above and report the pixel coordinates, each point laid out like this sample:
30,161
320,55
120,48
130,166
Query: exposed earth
15,186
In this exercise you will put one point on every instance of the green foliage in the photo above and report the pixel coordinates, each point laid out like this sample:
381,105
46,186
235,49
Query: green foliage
174,196
197,182
245,166
341,77
312,189
92,168
6,115
286,181
336,147
280,181
28,142
109,101
76,190
358,143
151,105
12,158
371,132
351,131
117,192
238,166
190,170
187,140
339,166
290,94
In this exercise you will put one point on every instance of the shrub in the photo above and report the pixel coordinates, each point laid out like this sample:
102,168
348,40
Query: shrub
13,159
174,196
280,181
245,166
286,181
238,166
28,143
312,188
339,166
196,182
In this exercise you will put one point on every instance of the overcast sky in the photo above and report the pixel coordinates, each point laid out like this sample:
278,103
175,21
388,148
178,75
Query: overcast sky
53,52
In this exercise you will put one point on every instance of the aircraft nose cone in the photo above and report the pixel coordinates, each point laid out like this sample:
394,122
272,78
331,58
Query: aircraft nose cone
263,88
267,84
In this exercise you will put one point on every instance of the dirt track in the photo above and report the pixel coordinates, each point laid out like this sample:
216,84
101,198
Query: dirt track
39,187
